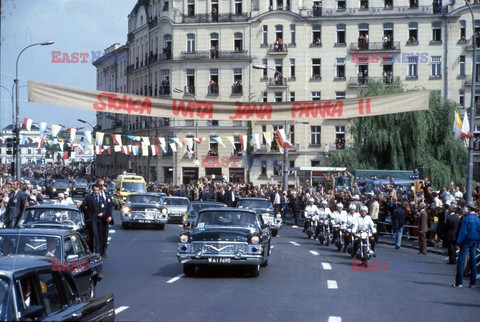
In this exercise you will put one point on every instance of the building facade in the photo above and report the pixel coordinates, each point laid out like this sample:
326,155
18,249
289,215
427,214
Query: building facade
312,50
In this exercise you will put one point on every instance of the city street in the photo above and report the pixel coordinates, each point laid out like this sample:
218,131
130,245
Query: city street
303,282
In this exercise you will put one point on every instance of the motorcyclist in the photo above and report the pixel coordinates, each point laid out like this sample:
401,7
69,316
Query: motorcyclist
323,213
364,223
310,210
339,217
349,224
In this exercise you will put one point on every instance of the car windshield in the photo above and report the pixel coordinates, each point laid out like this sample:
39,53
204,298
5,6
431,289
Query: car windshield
133,187
144,199
199,206
175,202
6,312
81,182
254,204
61,183
226,219
49,215
36,245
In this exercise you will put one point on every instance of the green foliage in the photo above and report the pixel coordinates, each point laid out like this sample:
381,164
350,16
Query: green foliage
405,141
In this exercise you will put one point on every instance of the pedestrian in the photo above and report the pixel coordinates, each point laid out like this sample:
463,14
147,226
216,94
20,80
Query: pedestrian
468,239
93,208
284,206
451,229
423,228
107,219
398,222
17,201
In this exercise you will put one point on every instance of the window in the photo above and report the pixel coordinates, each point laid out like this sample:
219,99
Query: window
412,33
190,43
293,35
363,4
388,4
264,168
461,97
190,88
214,40
412,67
340,137
53,296
436,66
463,31
278,96
277,168
167,47
315,135
317,35
279,71
265,97
213,151
388,35
237,81
238,7
413,4
340,69
264,129
265,35
341,35
265,70
316,68
238,41
339,95
279,32
214,10
462,66
213,84
292,68
292,96
436,32
165,6
191,8
317,8
341,4
316,96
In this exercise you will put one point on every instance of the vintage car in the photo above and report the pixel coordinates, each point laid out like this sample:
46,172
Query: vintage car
264,208
57,186
144,209
32,289
63,246
177,207
80,187
225,236
195,206
57,216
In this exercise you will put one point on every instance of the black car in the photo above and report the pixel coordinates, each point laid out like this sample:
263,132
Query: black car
195,206
54,294
225,236
265,209
63,246
57,216
59,186
144,209
80,187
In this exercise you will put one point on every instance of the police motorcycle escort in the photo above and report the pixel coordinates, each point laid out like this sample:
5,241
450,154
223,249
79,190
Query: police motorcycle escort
311,218
352,216
323,224
364,242
339,217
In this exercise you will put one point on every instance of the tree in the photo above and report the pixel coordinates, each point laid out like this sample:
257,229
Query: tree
406,141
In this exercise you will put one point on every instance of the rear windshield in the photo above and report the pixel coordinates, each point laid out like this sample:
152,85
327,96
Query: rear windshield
133,187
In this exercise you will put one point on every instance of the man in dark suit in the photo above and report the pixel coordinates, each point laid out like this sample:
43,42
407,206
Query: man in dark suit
17,200
451,228
94,208
107,219
231,197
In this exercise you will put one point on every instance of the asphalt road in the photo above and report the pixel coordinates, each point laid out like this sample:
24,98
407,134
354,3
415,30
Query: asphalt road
303,282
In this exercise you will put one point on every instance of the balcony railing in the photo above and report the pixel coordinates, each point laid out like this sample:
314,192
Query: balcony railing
468,80
189,90
376,46
364,81
277,82
237,89
316,11
469,43
222,17
222,55
152,22
130,68
371,11
277,48
164,91
213,90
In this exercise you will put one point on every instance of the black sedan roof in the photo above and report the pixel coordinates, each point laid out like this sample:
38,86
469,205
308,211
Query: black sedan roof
252,198
232,210
216,203
39,231
12,264
52,206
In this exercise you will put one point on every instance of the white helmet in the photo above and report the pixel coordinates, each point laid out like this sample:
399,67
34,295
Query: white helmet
311,200
352,207
339,205
364,208
61,195
324,202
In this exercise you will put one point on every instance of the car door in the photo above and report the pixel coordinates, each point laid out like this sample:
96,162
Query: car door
75,253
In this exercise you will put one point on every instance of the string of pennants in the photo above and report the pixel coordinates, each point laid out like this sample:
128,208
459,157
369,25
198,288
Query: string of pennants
144,146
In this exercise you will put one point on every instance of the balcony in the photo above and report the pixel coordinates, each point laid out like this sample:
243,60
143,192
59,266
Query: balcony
164,90
469,43
213,90
130,37
221,55
468,81
354,82
130,68
277,82
237,89
396,10
152,23
222,17
392,46
189,90
278,49
316,11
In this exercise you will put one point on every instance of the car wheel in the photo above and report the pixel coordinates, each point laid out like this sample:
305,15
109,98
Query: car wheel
265,263
91,289
274,233
255,270
189,270
161,226
125,225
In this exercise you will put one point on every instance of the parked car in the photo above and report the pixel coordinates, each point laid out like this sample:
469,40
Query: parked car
64,246
80,187
57,216
195,206
54,294
177,207
144,209
225,236
264,208
58,186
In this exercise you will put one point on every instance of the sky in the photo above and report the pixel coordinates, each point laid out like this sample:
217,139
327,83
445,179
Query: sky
75,26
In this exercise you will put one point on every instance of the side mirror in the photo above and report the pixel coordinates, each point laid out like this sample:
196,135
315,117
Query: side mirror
71,258
33,312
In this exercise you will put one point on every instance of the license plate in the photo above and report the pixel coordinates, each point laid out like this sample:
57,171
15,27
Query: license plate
144,221
220,260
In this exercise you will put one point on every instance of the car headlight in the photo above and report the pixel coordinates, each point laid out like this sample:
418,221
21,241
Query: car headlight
185,217
279,216
183,238
74,188
255,239
164,210
125,209
67,189
124,198
364,235
54,189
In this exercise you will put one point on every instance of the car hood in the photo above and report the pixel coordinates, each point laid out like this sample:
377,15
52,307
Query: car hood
137,205
177,208
219,234
261,210
49,224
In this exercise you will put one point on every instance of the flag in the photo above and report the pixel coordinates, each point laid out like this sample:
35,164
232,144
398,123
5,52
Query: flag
163,144
279,144
243,142
135,150
41,142
282,137
189,143
145,150
218,140
60,143
465,133
117,139
268,137
457,125
256,140
173,147
65,155
177,140
155,149
99,138
88,136
117,148
73,132
231,139
27,123
198,140
72,155
55,129
98,149
145,140
42,127
134,138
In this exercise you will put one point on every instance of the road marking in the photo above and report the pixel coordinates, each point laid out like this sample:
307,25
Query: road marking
326,266
180,226
314,253
334,319
121,309
294,243
332,284
112,231
176,278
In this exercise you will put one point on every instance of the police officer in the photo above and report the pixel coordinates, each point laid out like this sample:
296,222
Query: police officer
107,219
364,223
310,211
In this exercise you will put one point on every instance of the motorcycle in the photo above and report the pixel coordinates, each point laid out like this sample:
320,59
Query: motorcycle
340,243
349,239
312,226
364,251
324,235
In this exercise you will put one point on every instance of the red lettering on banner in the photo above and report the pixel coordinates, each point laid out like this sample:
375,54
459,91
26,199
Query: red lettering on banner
203,109
233,161
361,110
355,56
215,163
75,58
308,110
225,162
205,161
55,55
248,111
65,58
125,103
84,57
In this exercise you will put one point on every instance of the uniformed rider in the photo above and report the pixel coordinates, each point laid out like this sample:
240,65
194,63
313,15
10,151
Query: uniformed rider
310,210
350,223
323,213
364,223
339,217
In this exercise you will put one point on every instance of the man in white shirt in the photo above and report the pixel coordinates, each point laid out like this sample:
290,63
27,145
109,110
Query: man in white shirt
364,223
339,217
310,210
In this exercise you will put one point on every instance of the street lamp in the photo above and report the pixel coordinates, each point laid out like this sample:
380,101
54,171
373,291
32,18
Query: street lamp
472,110
17,117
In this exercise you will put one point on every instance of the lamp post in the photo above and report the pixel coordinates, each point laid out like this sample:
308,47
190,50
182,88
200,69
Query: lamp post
17,116
472,109
94,155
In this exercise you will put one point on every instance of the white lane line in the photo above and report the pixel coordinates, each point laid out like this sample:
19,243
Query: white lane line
111,231
121,309
334,319
326,266
332,284
314,253
294,243
180,226
109,238
176,278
